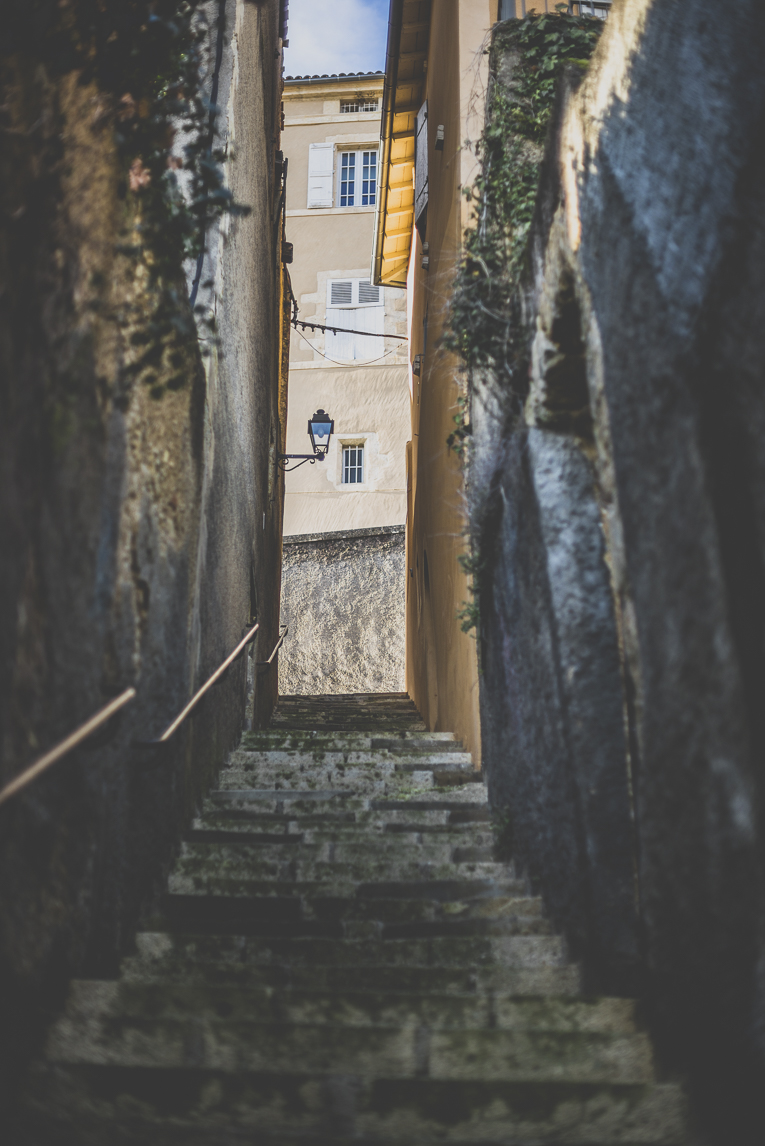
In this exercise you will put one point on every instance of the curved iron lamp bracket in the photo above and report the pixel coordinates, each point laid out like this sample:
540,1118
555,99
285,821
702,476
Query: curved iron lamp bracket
282,459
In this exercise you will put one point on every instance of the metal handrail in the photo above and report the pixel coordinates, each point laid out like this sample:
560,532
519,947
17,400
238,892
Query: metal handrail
71,741
277,646
171,728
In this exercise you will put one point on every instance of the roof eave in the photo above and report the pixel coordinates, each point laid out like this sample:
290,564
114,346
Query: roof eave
397,260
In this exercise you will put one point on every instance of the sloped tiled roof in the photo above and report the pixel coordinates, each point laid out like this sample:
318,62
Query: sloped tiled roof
334,76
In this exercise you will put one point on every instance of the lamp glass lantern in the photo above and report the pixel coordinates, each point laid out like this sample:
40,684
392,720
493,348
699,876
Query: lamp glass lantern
320,430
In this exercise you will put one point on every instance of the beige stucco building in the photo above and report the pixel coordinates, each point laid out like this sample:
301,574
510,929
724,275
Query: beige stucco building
331,139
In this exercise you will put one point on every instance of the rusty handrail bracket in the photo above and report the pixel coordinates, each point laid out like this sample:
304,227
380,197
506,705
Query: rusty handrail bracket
175,725
82,733
277,646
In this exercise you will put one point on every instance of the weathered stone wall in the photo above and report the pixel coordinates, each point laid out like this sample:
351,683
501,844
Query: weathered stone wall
139,531
343,599
618,499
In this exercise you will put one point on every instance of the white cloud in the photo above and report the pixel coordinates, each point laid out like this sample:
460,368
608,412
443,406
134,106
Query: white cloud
329,36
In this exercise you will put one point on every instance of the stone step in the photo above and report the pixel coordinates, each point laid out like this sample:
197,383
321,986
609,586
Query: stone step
103,1001
410,1051
341,819
370,783
376,781
475,951
410,848
312,754
349,840
237,849
308,763
349,703
301,741
327,800
390,783
159,959
343,719
452,893
194,1106
192,873
348,918
365,697
242,915
350,832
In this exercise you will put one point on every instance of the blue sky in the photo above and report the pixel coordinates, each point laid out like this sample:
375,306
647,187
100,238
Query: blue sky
336,36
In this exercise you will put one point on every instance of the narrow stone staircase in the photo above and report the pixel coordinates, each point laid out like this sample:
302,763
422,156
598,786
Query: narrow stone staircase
342,960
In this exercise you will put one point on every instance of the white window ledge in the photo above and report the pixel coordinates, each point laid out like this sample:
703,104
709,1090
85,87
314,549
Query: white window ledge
335,117
302,211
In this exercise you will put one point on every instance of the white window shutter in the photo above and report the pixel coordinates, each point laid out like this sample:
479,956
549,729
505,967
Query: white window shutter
358,306
340,292
321,158
369,295
340,346
421,167
368,319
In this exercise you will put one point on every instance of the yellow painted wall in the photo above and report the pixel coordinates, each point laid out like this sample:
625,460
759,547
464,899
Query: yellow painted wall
442,673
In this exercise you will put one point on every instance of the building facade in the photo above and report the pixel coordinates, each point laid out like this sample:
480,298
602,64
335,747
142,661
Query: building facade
355,638
331,141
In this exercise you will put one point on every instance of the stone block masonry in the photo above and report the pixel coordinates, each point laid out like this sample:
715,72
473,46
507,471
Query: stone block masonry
343,599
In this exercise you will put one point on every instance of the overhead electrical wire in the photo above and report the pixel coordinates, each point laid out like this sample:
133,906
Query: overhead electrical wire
346,361
303,324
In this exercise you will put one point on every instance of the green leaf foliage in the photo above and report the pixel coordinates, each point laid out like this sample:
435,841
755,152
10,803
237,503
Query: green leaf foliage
152,61
485,328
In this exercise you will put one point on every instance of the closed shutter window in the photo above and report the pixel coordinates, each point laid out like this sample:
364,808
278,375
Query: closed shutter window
421,170
368,294
359,306
321,157
341,293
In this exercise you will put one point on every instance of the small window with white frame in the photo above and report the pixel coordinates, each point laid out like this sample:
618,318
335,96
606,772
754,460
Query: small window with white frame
357,178
348,107
353,464
517,9
597,8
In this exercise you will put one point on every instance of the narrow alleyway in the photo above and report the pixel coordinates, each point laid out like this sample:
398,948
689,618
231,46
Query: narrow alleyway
341,959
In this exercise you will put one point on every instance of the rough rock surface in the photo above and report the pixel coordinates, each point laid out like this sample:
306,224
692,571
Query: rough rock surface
343,599
645,293
138,533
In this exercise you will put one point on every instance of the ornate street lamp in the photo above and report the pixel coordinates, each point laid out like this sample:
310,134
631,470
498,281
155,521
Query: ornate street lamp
320,429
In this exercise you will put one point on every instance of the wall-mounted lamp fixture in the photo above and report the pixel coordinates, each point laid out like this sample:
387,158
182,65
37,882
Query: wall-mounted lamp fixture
320,430
425,260
439,144
417,365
